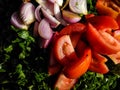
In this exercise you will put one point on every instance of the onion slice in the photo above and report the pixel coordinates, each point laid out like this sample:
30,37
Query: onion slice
17,22
27,11
58,15
44,29
78,6
70,16
37,13
52,20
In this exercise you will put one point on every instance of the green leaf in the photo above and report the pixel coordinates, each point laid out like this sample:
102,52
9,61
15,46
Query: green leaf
8,49
23,34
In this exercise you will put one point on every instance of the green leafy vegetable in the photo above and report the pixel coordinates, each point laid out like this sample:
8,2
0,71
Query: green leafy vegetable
23,65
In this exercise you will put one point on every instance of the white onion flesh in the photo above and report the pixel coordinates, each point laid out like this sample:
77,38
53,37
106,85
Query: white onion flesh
78,6
44,29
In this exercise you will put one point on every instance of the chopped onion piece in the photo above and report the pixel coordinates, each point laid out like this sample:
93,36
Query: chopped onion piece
70,16
17,22
52,20
37,13
44,29
27,11
58,15
78,6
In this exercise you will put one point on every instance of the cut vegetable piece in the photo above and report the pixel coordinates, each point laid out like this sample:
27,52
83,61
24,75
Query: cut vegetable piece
70,17
103,22
98,63
63,49
79,66
115,57
54,67
78,6
104,8
64,83
98,40
73,28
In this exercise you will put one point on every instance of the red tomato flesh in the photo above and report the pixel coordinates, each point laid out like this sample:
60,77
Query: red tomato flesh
103,22
101,41
63,49
64,83
80,66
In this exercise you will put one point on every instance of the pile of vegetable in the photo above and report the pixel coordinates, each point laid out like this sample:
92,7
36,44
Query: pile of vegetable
60,45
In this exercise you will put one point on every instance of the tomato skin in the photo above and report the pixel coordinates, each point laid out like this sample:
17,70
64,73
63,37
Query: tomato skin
103,9
97,41
118,20
63,49
98,64
73,28
75,31
80,47
80,66
64,83
53,67
103,22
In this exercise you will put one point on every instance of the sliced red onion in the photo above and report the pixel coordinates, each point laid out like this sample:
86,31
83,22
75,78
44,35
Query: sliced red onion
70,16
27,11
46,5
58,15
37,13
17,22
52,20
35,30
44,29
78,6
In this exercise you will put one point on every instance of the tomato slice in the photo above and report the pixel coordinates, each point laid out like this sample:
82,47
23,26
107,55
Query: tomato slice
53,67
80,47
103,22
64,83
101,41
64,50
107,7
80,66
75,31
73,28
98,64
115,57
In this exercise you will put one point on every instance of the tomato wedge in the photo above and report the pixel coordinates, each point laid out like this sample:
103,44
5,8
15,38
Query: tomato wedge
80,66
98,64
103,22
115,57
53,67
64,83
101,41
75,31
64,50
107,7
